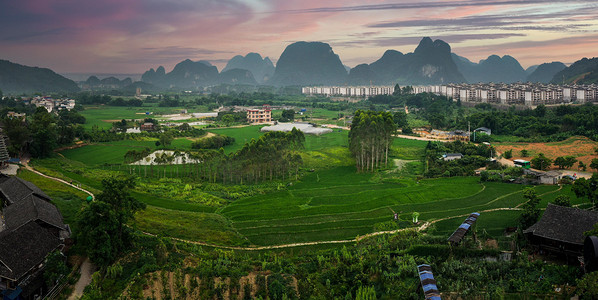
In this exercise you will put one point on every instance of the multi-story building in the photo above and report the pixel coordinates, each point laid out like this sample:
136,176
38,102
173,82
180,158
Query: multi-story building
263,115
348,91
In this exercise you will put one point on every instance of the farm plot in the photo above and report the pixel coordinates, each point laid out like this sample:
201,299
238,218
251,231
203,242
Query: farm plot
582,148
340,204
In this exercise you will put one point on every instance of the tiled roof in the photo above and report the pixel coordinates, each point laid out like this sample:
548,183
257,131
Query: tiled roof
24,248
564,224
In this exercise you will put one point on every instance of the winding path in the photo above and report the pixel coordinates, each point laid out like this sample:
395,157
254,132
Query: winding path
28,167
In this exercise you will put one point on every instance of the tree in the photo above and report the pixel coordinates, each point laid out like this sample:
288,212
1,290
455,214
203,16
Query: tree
102,224
166,139
524,153
582,166
55,268
185,127
531,212
586,188
397,90
562,200
508,154
288,115
560,162
594,164
400,119
120,126
43,133
228,119
541,162
565,162
587,287
366,293
370,138
18,135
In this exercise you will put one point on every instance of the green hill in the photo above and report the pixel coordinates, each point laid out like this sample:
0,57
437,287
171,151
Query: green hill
584,71
16,78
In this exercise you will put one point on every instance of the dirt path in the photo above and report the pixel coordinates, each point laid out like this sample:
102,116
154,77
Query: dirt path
26,164
419,138
86,269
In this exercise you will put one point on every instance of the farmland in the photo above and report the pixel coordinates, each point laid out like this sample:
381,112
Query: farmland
329,201
582,148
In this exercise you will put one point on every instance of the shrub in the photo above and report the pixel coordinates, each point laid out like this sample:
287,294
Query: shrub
213,142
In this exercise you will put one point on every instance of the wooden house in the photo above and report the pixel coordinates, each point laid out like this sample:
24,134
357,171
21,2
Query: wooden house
561,230
30,228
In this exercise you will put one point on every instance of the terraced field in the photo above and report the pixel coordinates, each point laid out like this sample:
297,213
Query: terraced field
338,204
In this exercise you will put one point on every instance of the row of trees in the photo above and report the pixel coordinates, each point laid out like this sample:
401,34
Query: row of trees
370,138
273,155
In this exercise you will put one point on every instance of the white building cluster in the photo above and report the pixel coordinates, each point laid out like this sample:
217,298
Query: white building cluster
50,103
515,94
348,91
529,94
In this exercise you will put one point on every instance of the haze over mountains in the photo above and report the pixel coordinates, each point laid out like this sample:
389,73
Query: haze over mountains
316,63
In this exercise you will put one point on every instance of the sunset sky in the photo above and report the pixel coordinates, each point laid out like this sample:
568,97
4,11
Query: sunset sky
130,36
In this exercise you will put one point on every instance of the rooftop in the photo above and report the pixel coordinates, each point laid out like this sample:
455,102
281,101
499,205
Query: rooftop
564,224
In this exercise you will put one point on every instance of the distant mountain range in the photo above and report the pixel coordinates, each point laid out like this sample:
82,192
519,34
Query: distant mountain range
315,63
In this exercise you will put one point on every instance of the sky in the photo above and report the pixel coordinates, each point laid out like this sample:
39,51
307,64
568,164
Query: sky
131,36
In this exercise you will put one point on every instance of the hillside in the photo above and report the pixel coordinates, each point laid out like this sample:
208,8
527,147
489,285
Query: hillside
584,71
262,69
305,63
16,78
545,72
430,63
236,76
504,69
186,74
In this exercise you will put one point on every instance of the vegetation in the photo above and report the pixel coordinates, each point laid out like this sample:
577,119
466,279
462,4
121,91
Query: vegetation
213,142
531,212
370,139
541,162
103,233
243,188
587,188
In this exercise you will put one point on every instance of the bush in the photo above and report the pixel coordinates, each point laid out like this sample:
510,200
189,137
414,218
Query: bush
213,142
508,154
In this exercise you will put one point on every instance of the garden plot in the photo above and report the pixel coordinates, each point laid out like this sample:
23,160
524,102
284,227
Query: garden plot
160,157
304,127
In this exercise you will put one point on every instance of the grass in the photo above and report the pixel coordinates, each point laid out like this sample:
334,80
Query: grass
103,116
197,226
336,204
340,204
493,223
241,135
114,152
408,149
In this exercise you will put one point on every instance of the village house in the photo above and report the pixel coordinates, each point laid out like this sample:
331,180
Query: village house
257,116
561,230
148,126
30,228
